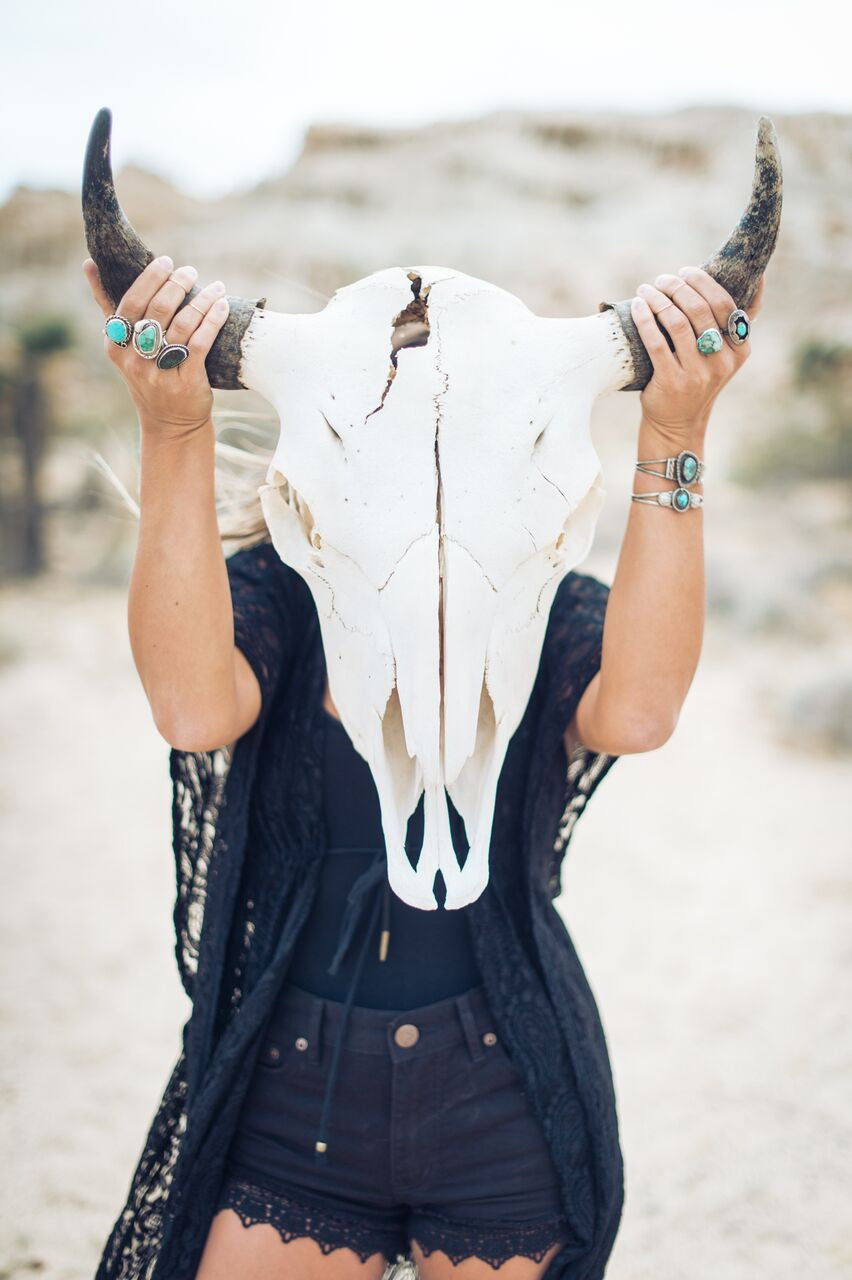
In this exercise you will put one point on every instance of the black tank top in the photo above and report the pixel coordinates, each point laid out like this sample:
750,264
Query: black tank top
429,954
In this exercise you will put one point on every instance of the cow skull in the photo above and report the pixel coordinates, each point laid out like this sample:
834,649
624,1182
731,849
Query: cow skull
433,482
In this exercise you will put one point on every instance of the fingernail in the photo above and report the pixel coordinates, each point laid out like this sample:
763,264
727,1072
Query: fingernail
165,262
220,307
217,286
191,273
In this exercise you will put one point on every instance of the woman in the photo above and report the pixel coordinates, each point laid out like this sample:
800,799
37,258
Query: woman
435,1113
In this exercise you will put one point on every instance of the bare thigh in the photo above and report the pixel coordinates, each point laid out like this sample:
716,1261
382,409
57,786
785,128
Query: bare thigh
438,1267
258,1253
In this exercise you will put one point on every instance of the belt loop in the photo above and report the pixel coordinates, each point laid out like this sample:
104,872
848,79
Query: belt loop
315,1022
468,1021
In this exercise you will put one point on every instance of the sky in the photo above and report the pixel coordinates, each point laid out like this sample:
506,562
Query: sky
217,97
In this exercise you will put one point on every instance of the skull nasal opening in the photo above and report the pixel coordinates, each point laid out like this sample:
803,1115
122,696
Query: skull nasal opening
410,329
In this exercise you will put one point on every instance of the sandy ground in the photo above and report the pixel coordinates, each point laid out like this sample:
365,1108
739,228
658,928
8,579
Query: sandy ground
708,890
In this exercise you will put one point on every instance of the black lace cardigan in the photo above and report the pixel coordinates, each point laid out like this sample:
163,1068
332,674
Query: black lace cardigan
248,839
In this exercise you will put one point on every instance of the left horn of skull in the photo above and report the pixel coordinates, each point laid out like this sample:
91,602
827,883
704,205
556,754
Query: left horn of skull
120,255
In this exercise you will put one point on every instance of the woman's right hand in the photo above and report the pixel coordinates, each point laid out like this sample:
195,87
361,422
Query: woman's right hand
170,401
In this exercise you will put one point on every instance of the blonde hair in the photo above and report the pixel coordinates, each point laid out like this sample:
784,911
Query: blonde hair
239,469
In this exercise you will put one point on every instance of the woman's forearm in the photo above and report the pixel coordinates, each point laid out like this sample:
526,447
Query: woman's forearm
200,687
180,617
654,622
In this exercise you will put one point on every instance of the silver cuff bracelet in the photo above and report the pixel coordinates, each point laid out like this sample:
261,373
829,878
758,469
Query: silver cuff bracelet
679,499
685,468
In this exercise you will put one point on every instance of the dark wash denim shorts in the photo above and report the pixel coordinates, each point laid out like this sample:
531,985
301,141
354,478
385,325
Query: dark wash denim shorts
430,1136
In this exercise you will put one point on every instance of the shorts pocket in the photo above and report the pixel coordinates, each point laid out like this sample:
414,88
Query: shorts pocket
284,1047
272,1053
498,1055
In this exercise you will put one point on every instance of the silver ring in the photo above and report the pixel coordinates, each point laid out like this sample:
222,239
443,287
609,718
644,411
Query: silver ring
148,338
118,329
709,342
172,354
739,327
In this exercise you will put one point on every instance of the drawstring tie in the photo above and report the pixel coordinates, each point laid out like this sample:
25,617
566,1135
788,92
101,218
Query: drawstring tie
356,903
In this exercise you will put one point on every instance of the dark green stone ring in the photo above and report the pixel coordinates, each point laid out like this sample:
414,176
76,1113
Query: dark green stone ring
171,355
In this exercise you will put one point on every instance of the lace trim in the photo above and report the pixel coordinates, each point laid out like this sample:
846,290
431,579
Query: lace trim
294,1221
493,1244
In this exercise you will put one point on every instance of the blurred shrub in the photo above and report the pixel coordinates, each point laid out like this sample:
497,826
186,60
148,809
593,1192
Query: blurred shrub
26,426
813,439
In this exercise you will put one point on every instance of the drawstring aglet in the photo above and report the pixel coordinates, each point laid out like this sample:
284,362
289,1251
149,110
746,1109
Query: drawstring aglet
320,1147
384,938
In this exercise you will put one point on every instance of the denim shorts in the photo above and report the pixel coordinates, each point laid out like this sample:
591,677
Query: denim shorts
431,1137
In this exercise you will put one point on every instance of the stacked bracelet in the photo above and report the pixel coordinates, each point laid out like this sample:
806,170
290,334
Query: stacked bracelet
684,468
678,499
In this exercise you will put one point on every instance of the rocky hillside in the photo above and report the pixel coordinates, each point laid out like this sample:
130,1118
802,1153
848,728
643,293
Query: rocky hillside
562,209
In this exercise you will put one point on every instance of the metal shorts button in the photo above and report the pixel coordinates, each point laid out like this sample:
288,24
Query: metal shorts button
301,1042
489,1038
406,1035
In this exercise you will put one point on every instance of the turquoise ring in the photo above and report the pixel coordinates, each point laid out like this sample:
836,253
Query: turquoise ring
709,342
148,339
739,327
118,329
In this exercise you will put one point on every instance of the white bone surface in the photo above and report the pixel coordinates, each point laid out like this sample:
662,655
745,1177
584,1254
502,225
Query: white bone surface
433,531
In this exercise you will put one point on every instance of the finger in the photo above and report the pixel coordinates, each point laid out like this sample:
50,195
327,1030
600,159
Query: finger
206,333
170,295
661,355
677,325
189,317
718,297
691,302
93,279
133,305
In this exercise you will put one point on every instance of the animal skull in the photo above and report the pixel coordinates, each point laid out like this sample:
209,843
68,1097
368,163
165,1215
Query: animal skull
433,482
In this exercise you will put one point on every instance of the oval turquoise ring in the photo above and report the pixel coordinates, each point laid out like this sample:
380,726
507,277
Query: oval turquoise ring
148,340
118,330
739,326
709,342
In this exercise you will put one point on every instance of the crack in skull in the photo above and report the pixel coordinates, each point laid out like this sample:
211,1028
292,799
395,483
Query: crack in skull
410,329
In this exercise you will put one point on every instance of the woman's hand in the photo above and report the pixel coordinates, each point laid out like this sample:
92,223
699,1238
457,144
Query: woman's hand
171,401
685,383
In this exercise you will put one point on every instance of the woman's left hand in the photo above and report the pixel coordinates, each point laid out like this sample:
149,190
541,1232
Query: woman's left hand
685,383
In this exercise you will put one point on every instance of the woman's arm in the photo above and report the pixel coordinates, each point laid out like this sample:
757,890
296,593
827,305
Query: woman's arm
202,691
654,621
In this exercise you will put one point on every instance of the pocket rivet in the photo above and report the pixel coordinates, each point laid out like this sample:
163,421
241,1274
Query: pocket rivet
301,1042
489,1038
